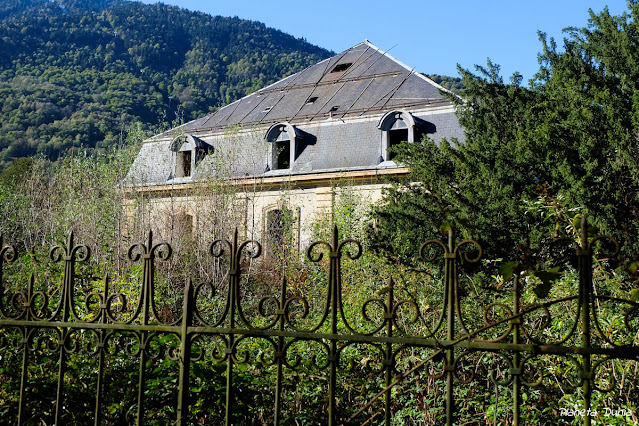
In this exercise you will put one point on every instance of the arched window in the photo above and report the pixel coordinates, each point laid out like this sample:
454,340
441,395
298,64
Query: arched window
396,127
275,231
183,226
280,232
283,138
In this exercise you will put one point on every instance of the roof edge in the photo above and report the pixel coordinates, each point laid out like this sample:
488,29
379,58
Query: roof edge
412,70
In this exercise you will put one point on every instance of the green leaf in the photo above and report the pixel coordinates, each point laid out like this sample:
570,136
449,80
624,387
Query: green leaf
634,296
547,277
576,221
445,227
633,267
507,269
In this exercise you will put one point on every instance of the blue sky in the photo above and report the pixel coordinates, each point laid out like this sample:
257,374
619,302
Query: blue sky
430,36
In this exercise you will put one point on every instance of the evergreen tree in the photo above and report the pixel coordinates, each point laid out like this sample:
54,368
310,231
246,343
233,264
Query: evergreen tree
566,145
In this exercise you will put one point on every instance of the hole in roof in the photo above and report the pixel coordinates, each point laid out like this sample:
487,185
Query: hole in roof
311,100
334,108
341,67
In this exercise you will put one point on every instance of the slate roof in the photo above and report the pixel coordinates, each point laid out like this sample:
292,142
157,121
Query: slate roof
334,106
373,82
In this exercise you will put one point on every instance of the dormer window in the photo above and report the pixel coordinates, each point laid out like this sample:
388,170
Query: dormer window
283,138
189,151
396,127
397,133
282,152
184,163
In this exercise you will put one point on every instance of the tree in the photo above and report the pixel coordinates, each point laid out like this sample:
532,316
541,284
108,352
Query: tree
71,72
570,140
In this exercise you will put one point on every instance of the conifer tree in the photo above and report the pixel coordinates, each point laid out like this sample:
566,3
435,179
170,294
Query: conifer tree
566,143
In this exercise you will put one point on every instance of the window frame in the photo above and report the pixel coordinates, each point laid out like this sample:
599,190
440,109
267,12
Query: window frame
281,222
278,134
188,152
184,162
386,124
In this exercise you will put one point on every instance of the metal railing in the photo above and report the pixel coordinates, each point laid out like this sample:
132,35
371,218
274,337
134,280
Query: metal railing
30,319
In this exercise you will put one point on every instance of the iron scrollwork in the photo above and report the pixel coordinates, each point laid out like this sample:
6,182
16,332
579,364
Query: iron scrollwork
507,346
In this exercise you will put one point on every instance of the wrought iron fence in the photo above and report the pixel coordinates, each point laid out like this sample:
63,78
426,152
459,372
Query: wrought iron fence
513,332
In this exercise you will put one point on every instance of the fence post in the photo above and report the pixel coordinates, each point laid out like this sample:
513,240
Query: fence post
25,352
66,307
333,359
234,291
233,306
146,305
279,354
584,266
146,297
517,370
102,349
388,359
185,355
450,258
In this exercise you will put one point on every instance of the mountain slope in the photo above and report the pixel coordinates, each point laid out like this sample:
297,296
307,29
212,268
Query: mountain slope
77,72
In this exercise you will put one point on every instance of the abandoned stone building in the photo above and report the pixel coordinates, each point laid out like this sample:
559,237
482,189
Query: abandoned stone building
291,146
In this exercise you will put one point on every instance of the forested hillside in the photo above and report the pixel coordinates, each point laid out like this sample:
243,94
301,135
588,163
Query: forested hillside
77,73
454,84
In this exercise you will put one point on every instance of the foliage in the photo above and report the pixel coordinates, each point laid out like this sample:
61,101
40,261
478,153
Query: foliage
417,400
75,73
41,201
533,163
571,135
454,84
493,187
